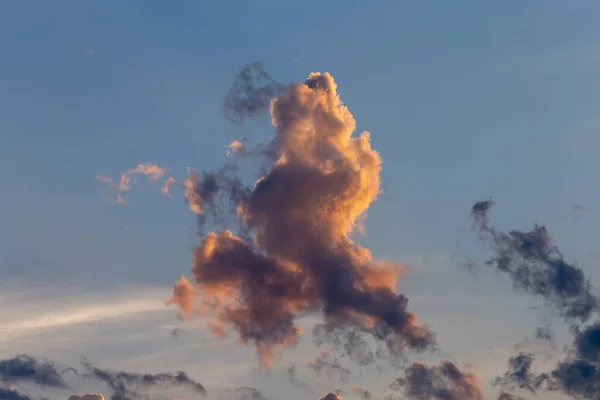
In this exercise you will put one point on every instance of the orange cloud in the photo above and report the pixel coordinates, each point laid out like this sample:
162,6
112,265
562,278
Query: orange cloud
166,189
295,253
151,170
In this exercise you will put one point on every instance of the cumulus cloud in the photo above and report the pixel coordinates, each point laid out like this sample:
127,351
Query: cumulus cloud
536,265
294,254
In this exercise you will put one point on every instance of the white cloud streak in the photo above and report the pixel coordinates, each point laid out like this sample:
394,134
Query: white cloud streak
41,315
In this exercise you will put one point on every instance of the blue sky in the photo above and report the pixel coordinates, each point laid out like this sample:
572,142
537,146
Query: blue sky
464,100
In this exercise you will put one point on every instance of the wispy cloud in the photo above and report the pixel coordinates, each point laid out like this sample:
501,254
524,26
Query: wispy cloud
66,311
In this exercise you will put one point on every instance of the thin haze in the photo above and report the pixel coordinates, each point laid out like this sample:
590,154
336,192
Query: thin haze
143,142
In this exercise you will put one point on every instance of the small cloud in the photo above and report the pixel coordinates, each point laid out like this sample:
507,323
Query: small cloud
166,189
234,147
151,170
86,396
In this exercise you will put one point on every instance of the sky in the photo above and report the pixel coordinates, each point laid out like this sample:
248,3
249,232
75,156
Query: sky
464,101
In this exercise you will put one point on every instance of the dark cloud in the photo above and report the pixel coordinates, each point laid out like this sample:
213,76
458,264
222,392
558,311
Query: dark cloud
579,379
440,382
577,376
480,210
331,396
587,343
519,374
294,254
251,93
12,394
214,195
25,368
536,265
129,385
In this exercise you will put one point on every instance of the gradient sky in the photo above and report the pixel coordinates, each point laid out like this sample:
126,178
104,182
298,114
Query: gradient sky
464,100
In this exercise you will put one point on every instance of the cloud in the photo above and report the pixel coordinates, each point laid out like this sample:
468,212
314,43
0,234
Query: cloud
212,195
129,385
362,393
577,376
251,93
86,396
536,265
293,378
184,296
124,385
27,369
63,313
508,396
331,396
294,254
440,382
151,170
12,394
324,362
235,147
545,334
519,374
243,393
166,189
